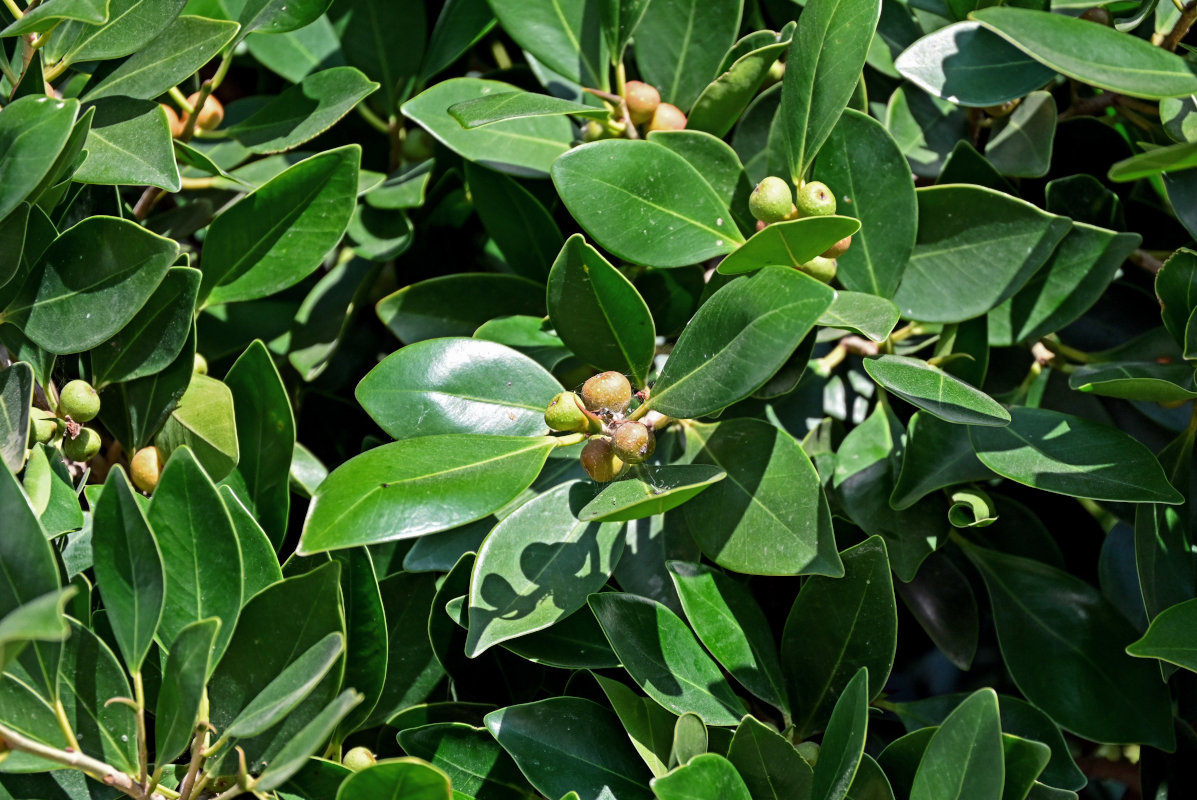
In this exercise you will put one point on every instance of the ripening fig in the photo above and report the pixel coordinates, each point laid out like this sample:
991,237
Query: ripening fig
79,401
172,118
667,117
599,459
820,268
83,446
607,392
43,426
771,200
1098,14
565,413
633,442
839,248
643,100
145,468
358,758
210,116
814,199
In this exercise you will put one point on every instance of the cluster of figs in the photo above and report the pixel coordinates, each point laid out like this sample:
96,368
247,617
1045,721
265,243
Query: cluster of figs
599,412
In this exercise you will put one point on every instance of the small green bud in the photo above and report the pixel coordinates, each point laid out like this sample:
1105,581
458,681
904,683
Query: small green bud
564,413
201,365
359,758
814,199
599,459
82,447
607,392
633,442
771,200
79,401
820,268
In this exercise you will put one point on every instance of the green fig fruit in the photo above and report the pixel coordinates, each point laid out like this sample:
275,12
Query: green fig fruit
814,199
82,447
565,413
820,268
79,401
771,200
358,758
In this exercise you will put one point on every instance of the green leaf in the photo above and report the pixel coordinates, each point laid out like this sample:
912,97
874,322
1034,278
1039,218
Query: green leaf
767,315
516,105
566,744
296,680
397,777
863,313
12,241
16,396
51,491
182,691
566,37
709,776
395,491
524,147
966,64
1024,761
274,16
680,45
1044,615
303,111
664,658
718,164
938,454
129,143
768,762
1169,638
455,305
519,224
770,516
598,313
1154,162
1021,143
278,234
537,567
90,283
620,20
646,723
836,627
689,740
46,16
42,619
204,421
964,758
731,625
296,54
726,97
88,677
26,160
865,168
822,69
470,756
307,740
965,231
843,741
1176,288
129,571
387,53
645,203
186,45
1148,382
130,24
870,782
1097,55
936,391
926,129
155,336
655,490
789,244
453,385
1069,455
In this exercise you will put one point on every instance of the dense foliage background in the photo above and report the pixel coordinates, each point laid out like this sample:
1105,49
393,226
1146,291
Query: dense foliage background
915,527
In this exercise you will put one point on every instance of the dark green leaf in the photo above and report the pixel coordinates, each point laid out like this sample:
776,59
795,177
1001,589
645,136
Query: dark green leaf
274,16
204,421
386,52
515,105
26,160
308,739
1148,381
16,395
521,227
1176,288
963,760
726,97
129,142
680,44
88,677
843,741
470,756
768,763
455,305
296,680
46,16
926,128
183,681
863,313
936,391
42,619
130,24
1170,637
566,37
1021,143
155,336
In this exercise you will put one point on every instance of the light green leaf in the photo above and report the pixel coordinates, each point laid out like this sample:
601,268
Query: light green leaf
516,105
657,490
936,391
203,420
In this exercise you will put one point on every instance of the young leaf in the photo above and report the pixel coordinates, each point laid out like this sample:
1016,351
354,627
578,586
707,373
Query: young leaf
843,741
1169,637
183,680
657,490
936,391
709,776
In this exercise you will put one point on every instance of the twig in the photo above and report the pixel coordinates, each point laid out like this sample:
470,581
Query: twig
1187,16
1090,106
1141,258
93,767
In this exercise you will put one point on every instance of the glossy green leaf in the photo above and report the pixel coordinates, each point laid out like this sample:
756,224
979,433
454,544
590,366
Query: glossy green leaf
412,668
938,454
837,626
135,410
41,619
709,776
822,69
51,491
12,241
655,490
1024,761
402,189
863,313
397,777
732,627
767,314
187,44
26,160
1021,143
566,744
969,65
395,491
516,105
689,740
1097,55
565,37
155,336
204,421
870,782
865,168
129,142
183,679
1069,455
457,386
16,395
257,554
1148,381
789,244
664,658
598,313
296,54
964,758
645,722
279,234
307,740
644,203
455,305
537,567
718,164
365,35
1169,638
521,227
46,16
679,45
926,128
303,111
129,570
967,231
1043,615
296,680
769,516
274,16
935,391
725,98
768,762
524,147
470,756
1155,161
941,598
89,284
1176,288
88,677
843,741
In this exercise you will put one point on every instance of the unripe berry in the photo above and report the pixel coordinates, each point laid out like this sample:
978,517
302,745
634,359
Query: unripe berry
82,447
771,200
1003,109
359,758
643,100
814,199
79,401
599,459
667,117
145,468
172,118
633,442
607,392
809,752
417,145
819,268
210,116
564,413
839,248
43,426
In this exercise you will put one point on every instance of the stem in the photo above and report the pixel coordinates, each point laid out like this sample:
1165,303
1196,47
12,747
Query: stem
149,198
14,9
177,95
1188,14
1061,349
40,41
1090,106
1144,259
570,439
143,752
621,79
199,743
375,121
63,723
92,767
